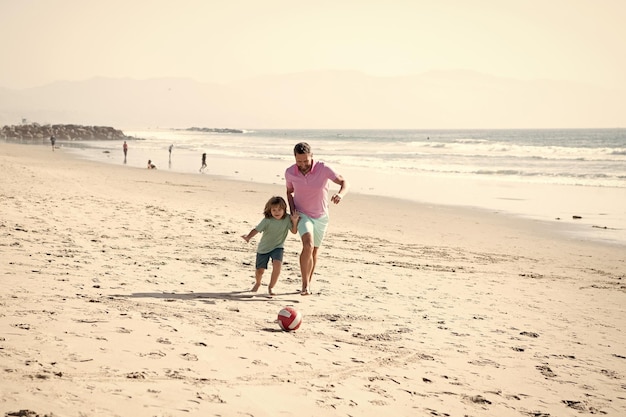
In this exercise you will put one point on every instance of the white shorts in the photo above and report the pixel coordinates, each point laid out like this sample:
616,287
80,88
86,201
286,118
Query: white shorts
316,227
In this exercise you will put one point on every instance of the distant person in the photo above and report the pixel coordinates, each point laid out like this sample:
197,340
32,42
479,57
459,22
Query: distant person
274,227
307,193
170,149
203,166
53,140
151,165
125,148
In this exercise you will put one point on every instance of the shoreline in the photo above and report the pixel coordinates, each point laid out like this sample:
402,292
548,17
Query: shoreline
581,212
124,291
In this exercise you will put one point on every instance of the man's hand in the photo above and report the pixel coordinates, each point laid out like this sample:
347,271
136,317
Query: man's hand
336,198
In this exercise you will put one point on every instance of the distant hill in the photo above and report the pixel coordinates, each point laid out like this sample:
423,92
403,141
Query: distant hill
320,99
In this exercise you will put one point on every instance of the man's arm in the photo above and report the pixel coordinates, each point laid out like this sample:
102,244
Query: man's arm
343,189
292,206
294,223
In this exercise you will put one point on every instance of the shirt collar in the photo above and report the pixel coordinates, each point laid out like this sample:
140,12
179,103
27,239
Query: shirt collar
313,165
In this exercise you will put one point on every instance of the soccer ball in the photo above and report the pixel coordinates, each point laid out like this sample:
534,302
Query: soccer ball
289,319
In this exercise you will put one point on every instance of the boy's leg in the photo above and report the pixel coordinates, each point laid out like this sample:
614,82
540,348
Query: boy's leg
258,276
262,259
276,267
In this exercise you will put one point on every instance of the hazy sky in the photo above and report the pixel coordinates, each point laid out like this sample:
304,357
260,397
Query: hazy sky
219,41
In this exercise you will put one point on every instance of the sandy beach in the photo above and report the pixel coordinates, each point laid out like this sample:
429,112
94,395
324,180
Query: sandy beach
124,292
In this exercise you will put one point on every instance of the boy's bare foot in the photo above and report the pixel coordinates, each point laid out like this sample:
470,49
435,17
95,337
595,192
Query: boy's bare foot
305,292
270,291
255,288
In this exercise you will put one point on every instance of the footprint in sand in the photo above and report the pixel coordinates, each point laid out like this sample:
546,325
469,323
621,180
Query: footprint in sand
23,413
189,357
546,371
479,399
153,355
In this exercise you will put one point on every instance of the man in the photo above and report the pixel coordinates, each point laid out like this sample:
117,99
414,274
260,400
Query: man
307,194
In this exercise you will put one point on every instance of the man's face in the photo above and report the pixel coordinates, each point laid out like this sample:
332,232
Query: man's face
304,162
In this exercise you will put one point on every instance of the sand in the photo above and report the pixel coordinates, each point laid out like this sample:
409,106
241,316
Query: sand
124,292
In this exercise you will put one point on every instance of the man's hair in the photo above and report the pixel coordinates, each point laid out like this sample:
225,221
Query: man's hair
302,148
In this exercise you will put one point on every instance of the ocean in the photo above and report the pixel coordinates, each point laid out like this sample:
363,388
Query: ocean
573,176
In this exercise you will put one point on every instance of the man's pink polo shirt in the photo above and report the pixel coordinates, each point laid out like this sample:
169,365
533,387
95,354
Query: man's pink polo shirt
310,194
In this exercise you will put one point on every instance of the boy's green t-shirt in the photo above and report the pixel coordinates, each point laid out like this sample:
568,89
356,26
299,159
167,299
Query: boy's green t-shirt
274,233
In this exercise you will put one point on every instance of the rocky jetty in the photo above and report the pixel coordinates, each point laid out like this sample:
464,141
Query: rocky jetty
35,131
213,130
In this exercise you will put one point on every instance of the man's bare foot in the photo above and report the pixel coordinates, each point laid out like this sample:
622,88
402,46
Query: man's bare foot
255,288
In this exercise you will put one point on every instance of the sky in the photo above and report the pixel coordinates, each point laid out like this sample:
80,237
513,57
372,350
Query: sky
42,41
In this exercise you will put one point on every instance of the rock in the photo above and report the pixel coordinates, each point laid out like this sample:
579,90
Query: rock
213,130
36,131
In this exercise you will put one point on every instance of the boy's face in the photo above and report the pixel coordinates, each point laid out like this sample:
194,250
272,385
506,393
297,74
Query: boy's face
277,212
304,161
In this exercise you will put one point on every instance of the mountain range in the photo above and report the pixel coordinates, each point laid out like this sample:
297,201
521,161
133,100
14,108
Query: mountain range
321,99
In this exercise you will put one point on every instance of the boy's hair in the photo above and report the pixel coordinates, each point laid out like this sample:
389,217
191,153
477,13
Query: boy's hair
302,148
275,201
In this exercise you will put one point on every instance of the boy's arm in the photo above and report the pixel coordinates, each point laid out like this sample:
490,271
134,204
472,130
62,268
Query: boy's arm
250,235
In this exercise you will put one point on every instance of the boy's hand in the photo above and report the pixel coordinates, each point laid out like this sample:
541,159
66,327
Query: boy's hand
246,238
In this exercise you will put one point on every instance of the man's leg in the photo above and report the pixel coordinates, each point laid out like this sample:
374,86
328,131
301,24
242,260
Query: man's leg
307,262
314,256
319,231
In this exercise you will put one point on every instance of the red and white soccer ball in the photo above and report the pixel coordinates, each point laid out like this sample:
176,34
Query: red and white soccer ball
289,319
